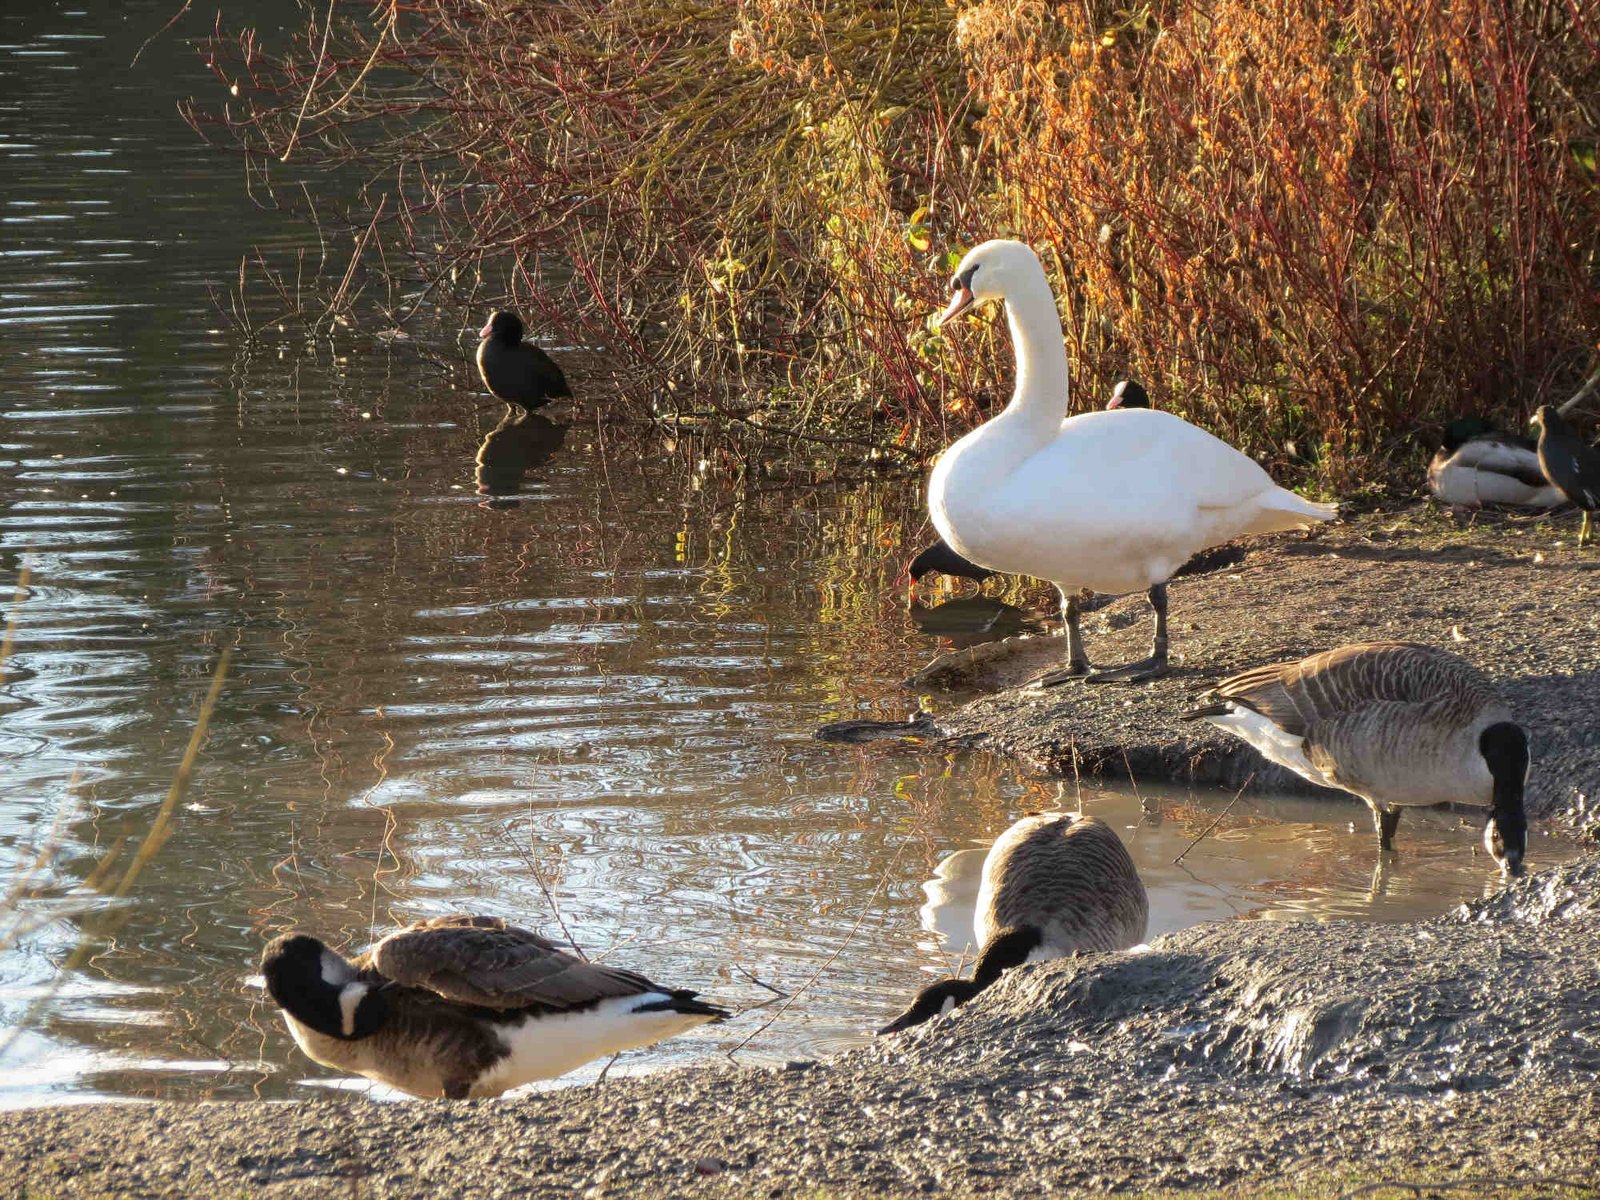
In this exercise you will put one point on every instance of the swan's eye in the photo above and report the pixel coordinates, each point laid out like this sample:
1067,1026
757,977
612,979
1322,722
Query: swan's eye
955,285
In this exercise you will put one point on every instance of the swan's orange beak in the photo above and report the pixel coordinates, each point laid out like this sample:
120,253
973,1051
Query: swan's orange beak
959,303
486,330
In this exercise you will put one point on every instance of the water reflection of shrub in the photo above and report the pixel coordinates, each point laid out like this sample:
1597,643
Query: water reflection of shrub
1315,229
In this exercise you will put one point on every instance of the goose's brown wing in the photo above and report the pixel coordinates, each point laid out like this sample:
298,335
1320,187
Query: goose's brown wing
1298,695
484,961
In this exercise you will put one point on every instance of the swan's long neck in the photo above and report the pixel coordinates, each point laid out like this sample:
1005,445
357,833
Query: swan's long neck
1039,402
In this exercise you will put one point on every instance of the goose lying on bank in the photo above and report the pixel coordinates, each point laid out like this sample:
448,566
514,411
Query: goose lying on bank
466,1006
1397,724
514,371
1053,884
939,559
1476,464
1569,464
1104,501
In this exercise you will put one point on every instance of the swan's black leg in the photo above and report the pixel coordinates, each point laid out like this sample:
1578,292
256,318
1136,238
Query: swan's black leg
1077,661
1146,668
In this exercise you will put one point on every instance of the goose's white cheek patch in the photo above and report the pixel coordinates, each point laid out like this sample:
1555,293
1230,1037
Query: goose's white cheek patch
349,999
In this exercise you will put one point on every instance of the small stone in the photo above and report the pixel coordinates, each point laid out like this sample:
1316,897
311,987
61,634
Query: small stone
709,1165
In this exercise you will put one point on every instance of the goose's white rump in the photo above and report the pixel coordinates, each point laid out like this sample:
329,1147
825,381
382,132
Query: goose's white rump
1116,501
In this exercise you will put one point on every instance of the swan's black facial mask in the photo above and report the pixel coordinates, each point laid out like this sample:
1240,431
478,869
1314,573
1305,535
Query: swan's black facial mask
961,297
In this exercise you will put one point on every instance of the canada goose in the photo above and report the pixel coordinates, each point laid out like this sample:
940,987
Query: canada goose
466,1006
1476,464
1053,884
1104,501
939,559
515,372
1569,464
1395,723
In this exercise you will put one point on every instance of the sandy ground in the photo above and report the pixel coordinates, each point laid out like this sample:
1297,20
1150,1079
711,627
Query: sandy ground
1250,1055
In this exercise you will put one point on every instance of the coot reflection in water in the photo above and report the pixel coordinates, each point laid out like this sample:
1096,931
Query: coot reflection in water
510,450
972,620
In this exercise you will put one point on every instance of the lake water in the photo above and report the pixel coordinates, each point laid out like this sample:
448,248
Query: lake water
474,666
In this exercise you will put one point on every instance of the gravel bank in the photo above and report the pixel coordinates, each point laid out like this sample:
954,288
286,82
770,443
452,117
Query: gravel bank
1231,1053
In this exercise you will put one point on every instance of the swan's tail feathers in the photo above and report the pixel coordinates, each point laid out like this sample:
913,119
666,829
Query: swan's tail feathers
1282,509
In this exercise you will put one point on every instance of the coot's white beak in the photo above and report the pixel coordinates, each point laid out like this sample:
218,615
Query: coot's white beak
959,303
487,329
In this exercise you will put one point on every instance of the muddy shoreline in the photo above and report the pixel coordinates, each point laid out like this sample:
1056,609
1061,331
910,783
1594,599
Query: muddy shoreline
1234,1055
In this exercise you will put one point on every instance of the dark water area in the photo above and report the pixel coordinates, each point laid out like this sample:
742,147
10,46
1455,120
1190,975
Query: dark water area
476,663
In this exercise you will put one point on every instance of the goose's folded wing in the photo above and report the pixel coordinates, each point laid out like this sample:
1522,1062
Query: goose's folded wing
1296,695
484,961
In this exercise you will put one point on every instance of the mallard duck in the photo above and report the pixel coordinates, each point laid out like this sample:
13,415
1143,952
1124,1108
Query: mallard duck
1053,884
1396,723
466,1006
1572,466
1477,464
1104,501
515,372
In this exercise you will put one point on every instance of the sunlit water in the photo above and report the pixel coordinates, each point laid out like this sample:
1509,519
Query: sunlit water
475,666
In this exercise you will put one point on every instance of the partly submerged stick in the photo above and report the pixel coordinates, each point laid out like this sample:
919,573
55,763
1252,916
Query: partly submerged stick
1218,821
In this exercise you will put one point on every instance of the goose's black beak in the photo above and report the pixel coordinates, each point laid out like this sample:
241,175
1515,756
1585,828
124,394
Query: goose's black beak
960,301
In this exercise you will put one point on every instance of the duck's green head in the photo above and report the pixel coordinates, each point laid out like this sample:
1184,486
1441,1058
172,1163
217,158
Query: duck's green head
1463,429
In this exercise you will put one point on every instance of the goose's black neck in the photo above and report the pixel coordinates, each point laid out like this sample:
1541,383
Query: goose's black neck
321,990
1504,747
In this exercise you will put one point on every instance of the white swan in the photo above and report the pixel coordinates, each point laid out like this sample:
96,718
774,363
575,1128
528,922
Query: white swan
1105,501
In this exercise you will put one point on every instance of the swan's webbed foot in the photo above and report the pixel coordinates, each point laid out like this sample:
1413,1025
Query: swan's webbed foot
1077,669
1153,667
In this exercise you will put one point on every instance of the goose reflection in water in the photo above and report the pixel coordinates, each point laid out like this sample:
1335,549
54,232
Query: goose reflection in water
972,620
520,442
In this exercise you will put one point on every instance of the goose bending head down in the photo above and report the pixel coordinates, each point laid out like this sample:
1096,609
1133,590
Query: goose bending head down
1107,501
466,1006
1396,723
1053,884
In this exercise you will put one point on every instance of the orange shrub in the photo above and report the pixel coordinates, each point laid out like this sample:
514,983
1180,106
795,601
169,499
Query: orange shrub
1316,229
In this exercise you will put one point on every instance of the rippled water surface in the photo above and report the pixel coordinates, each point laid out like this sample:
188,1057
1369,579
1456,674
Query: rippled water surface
475,664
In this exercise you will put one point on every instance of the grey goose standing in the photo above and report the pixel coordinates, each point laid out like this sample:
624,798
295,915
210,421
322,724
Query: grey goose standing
514,371
1053,884
465,1006
1571,465
1396,723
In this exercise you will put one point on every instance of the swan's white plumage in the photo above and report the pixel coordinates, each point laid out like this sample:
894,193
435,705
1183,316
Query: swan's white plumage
1112,501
